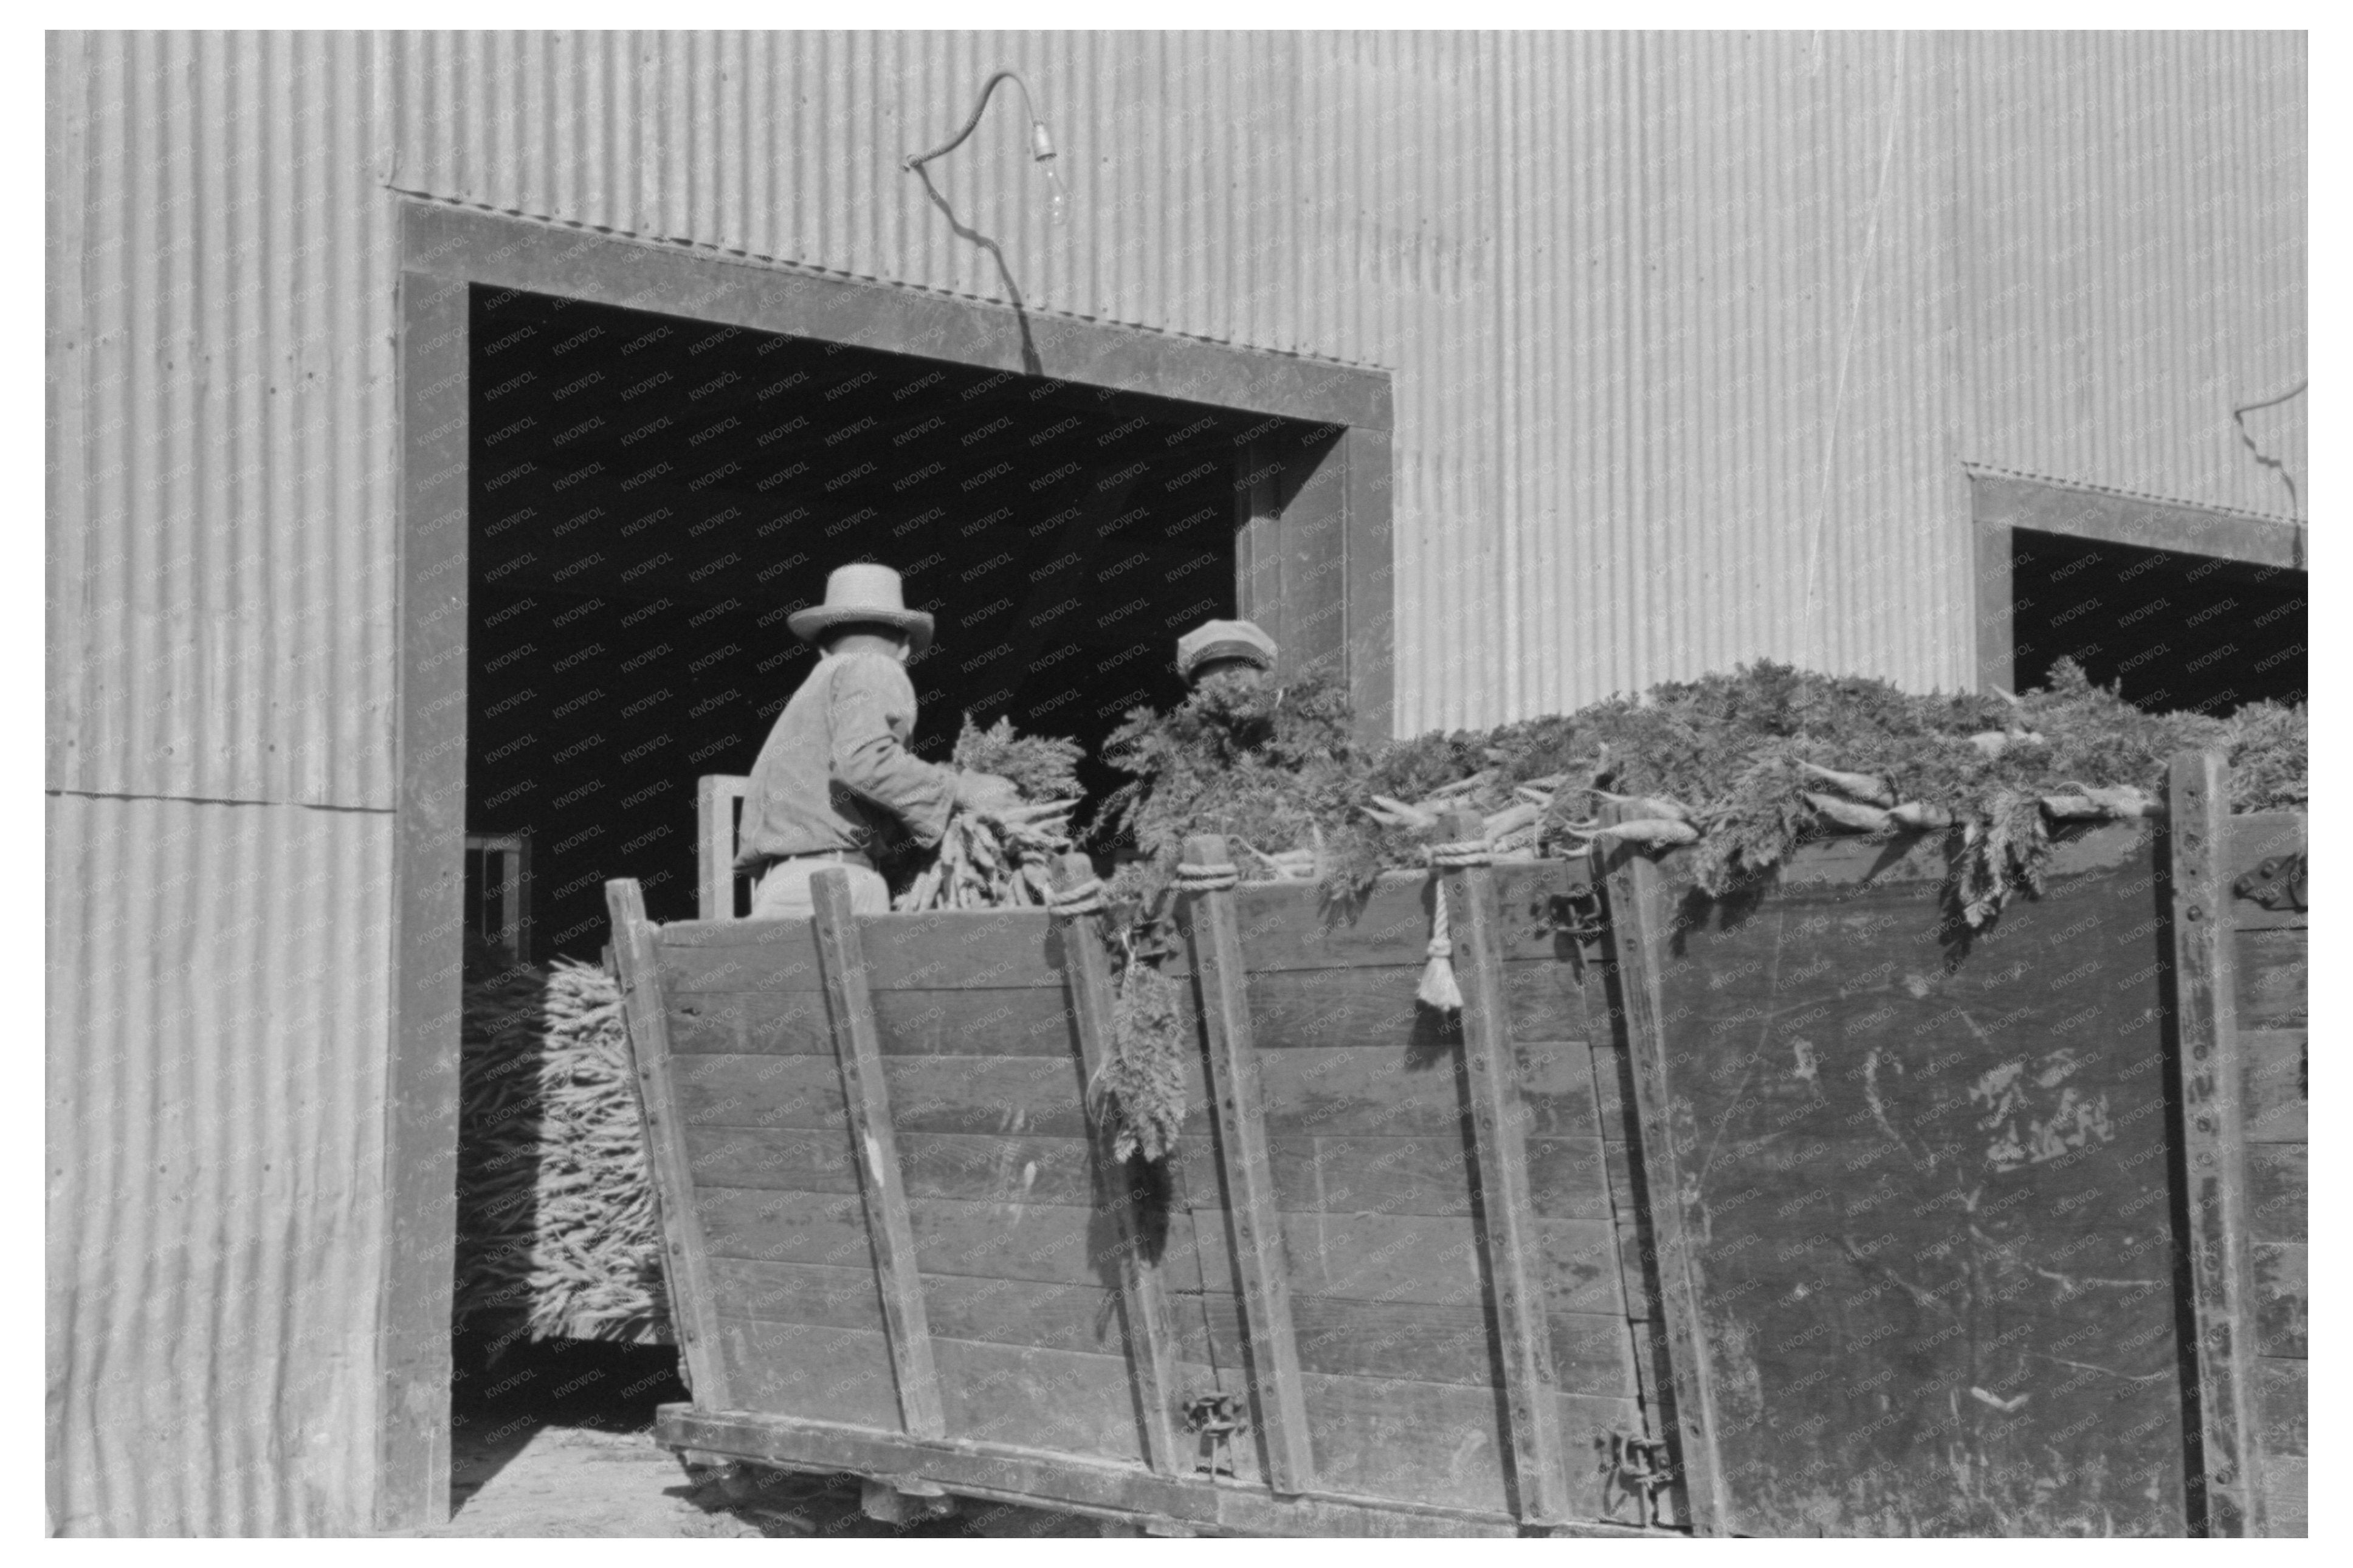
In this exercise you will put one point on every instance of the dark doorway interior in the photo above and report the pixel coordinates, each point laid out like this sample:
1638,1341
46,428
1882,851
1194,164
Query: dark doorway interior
650,496
2179,631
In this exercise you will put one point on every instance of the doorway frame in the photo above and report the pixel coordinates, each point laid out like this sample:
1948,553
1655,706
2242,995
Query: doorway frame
2001,502
1314,567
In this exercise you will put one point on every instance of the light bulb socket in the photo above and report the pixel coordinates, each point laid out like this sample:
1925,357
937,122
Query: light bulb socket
1041,146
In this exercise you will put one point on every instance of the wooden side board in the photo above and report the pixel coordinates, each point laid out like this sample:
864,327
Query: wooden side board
2269,937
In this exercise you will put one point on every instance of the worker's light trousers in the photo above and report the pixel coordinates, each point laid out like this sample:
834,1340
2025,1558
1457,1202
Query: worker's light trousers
784,892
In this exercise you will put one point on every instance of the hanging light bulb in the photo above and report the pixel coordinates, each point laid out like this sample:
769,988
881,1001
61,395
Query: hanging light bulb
1042,148
1041,151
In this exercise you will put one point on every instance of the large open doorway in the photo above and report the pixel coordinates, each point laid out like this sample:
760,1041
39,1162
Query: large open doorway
624,467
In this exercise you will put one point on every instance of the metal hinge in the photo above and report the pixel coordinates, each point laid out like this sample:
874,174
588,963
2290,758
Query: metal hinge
2276,884
1636,1468
1216,1419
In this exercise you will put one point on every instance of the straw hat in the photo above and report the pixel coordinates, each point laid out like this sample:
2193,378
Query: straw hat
862,591
1223,639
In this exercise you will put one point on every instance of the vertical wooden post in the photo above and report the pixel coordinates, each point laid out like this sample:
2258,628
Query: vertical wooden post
1216,937
1144,1301
693,1313
2205,996
716,795
857,1047
1637,932
1507,1207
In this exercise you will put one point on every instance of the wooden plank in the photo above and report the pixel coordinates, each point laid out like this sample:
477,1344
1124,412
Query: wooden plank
1069,1401
2000,502
2279,1183
1032,1022
1433,1442
686,1250
1034,1479
1150,1364
2283,1302
1592,1350
1413,1257
813,1372
2275,1065
1029,1096
944,949
2285,1402
2273,969
1637,932
1373,1007
1571,1178
1344,1091
2207,1017
500,252
716,795
739,956
1049,1243
1289,925
975,1166
867,1100
1214,938
1507,1206
410,1373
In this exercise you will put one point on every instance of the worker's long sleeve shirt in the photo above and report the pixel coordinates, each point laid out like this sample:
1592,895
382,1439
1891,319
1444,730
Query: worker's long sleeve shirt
836,768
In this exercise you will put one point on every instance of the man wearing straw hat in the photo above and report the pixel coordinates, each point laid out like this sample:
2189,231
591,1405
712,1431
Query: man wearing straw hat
836,773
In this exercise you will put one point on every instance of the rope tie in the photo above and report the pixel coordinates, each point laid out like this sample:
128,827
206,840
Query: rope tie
1086,898
1438,987
1206,878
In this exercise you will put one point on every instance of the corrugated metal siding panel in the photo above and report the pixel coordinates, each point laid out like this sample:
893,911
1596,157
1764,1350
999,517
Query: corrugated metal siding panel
2133,258
1659,327
217,988
220,320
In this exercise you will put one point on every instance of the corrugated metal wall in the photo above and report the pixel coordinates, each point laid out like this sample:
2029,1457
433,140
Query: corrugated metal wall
1680,323
2133,255
216,999
220,599
1691,335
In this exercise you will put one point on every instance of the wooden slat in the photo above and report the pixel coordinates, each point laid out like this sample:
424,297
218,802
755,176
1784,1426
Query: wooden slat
716,795
1028,1021
867,1099
1215,939
2272,1064
1592,1352
1150,1365
1570,1178
1013,1095
2284,1401
1038,1478
1373,1007
976,1166
1289,925
2278,1192
685,1251
1507,1206
2273,974
945,950
1435,1442
1049,1243
2206,982
811,1372
1343,1091
1412,1257
2282,1300
1637,932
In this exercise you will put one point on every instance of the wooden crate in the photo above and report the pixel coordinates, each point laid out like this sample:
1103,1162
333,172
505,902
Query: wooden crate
1841,1218
1397,1243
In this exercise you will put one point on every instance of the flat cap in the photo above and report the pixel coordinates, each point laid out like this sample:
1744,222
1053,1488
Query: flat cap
1223,639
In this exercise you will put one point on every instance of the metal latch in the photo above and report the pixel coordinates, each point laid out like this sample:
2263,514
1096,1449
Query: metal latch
1216,1419
2278,884
1638,1468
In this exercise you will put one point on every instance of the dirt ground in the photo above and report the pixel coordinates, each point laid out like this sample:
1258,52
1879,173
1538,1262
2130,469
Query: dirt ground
557,1440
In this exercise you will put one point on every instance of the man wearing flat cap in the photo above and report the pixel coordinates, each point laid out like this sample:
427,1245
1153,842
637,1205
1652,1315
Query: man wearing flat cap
835,776
1224,647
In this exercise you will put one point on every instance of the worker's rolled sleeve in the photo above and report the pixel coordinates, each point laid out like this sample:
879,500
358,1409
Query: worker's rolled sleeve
870,711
